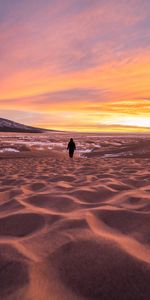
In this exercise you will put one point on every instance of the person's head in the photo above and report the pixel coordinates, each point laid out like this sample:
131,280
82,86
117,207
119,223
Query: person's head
71,140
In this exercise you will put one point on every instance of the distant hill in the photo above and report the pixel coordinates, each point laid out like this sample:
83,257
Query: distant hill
11,126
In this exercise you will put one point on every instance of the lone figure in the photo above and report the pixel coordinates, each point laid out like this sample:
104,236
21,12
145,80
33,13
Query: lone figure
71,147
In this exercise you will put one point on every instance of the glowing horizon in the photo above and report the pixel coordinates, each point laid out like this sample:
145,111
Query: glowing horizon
72,65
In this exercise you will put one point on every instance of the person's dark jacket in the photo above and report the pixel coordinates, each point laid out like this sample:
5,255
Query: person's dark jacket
71,146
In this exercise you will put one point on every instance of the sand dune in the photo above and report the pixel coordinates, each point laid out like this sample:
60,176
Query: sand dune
74,230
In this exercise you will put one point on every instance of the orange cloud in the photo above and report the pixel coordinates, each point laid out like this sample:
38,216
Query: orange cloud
86,64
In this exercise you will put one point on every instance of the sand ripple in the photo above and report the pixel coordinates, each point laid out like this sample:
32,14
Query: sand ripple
74,230
100,270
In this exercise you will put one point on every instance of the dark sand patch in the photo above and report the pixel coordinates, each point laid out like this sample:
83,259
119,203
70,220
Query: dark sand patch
92,270
37,186
73,224
13,271
53,202
8,181
20,225
125,221
139,203
15,192
96,196
135,224
13,276
10,206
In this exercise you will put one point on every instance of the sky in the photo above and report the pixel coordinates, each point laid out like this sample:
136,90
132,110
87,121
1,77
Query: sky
80,65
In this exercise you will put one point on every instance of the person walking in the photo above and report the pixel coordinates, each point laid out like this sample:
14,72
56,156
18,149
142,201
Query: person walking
71,147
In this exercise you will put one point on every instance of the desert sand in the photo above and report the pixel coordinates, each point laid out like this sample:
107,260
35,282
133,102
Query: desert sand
74,229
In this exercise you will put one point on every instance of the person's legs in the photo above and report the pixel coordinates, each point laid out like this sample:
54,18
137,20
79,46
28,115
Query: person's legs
71,154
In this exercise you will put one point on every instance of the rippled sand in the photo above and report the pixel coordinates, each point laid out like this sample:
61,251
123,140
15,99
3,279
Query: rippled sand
74,230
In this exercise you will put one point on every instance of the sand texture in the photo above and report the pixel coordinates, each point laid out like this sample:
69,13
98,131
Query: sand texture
74,230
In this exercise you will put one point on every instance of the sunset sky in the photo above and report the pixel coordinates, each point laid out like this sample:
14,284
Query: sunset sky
76,64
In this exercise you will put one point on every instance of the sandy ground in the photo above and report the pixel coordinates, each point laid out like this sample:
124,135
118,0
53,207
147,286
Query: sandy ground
74,230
